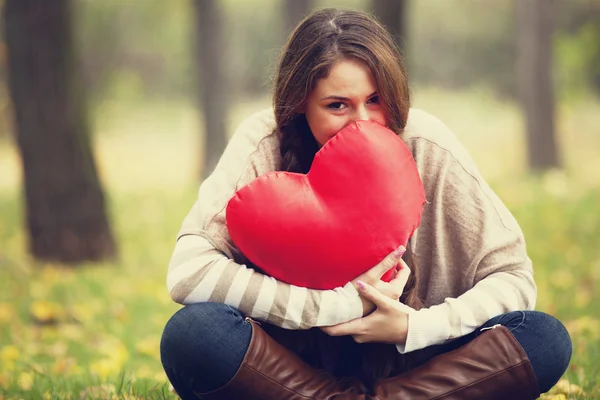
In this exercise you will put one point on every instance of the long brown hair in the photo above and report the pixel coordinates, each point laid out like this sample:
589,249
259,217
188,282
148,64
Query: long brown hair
320,40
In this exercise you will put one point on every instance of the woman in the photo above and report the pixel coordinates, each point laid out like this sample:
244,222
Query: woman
471,336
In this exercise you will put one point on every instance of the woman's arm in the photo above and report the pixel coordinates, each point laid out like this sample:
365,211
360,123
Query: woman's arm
497,294
470,242
199,273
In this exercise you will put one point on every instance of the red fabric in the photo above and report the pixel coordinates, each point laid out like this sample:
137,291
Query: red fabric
361,199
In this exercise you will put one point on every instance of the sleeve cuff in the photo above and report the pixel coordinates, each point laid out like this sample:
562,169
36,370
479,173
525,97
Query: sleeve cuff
339,305
426,327
355,307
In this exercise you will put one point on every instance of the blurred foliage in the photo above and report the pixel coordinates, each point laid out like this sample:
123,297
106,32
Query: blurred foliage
453,48
578,61
144,46
137,49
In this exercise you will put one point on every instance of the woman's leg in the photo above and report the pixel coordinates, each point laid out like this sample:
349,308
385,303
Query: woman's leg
515,355
492,366
203,346
210,351
543,338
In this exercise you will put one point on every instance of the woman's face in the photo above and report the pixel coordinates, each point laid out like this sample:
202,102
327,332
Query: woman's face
348,94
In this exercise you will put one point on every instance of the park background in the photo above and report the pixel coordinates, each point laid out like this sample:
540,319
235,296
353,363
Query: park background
158,86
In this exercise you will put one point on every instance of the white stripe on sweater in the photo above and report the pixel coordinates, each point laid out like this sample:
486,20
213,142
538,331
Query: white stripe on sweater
266,297
238,287
293,315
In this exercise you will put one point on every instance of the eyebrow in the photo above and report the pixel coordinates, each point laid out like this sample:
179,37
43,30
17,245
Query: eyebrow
340,98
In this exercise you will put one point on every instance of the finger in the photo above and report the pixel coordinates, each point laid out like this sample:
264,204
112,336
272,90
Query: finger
371,293
395,287
401,278
390,260
356,326
328,330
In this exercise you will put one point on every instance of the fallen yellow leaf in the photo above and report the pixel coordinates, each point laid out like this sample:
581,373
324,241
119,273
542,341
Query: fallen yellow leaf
584,325
104,368
143,372
63,366
57,349
562,279
149,346
51,274
25,380
86,312
46,312
120,311
9,353
99,392
114,349
4,381
564,387
72,332
553,397
7,313
39,290
583,297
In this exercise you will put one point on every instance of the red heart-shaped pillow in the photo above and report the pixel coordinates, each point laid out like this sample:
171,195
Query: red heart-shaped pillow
361,199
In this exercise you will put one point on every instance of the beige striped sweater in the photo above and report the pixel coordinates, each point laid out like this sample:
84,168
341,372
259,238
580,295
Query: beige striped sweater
470,250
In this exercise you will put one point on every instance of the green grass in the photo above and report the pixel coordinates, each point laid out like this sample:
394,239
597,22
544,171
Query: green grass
93,332
69,330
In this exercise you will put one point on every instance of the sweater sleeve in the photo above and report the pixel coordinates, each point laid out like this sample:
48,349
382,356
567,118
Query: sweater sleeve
207,266
472,245
200,273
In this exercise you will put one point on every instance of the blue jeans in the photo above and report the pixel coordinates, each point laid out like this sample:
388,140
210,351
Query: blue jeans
203,346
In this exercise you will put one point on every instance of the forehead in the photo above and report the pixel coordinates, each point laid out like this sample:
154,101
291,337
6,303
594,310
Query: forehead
347,78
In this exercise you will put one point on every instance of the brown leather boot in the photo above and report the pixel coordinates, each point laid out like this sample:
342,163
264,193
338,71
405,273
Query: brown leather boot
270,371
493,366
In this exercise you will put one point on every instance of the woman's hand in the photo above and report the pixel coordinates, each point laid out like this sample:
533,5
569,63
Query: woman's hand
392,289
388,323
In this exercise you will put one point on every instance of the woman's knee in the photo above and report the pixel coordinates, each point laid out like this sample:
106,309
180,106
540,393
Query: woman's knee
201,319
548,346
203,345
198,329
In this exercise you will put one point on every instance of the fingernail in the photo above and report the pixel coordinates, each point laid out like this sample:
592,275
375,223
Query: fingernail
360,284
400,251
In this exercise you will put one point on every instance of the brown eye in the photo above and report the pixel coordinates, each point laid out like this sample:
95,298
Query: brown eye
374,99
338,105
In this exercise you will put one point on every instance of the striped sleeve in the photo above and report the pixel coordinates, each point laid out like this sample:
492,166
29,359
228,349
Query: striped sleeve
497,294
200,273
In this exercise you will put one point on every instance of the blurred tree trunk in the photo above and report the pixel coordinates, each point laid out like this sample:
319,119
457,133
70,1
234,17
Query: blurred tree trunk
294,11
393,14
534,79
65,208
213,89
